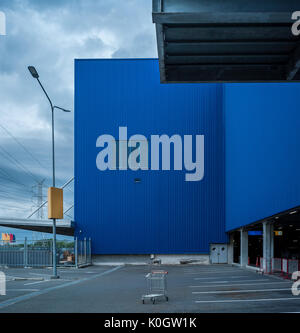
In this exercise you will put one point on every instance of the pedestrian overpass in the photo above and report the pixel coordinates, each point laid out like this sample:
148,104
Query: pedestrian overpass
63,227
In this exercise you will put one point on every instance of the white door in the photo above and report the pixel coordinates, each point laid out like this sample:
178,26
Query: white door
218,253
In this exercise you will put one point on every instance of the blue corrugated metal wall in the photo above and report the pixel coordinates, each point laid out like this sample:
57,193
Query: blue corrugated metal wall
262,151
163,213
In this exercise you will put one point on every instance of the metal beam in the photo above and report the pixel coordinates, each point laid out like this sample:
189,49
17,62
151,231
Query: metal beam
249,47
224,18
229,33
228,73
66,211
224,6
226,59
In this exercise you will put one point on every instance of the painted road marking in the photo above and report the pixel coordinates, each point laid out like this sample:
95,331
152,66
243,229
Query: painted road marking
211,272
41,274
56,280
239,291
206,269
22,289
236,284
225,282
214,278
22,278
74,271
28,284
252,300
15,300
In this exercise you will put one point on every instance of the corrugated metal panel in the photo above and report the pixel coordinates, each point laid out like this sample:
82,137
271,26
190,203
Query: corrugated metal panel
262,151
163,213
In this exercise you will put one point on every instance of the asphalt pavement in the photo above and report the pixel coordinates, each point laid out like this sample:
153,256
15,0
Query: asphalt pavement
118,289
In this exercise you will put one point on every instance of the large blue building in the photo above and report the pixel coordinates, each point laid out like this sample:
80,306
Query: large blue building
251,140
262,145
162,213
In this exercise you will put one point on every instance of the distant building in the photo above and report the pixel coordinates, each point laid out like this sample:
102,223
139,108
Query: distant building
7,237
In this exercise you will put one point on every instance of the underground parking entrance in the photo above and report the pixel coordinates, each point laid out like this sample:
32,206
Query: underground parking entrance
272,245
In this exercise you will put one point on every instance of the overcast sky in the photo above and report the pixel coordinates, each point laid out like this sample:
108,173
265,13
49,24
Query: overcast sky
49,34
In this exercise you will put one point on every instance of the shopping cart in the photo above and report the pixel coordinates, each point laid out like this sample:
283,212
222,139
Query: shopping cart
157,286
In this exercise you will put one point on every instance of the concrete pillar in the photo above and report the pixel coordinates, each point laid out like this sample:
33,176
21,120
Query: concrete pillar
272,240
244,247
230,249
268,244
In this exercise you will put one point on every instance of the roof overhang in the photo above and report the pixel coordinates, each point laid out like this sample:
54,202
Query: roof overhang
227,41
63,227
284,218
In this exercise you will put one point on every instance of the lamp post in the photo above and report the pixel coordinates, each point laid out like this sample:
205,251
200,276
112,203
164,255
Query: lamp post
35,75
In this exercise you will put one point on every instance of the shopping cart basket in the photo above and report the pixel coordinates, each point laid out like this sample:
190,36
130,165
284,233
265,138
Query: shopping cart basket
157,286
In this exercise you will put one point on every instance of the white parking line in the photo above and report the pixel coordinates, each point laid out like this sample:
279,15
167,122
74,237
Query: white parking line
214,278
211,272
238,291
206,269
50,280
236,284
224,282
22,289
27,284
252,300
80,272
40,274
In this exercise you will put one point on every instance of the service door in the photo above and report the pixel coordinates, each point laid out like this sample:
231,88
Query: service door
218,253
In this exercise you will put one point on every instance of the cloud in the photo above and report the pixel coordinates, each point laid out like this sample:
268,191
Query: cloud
50,35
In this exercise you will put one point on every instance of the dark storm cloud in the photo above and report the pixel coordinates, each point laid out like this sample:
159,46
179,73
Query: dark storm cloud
50,34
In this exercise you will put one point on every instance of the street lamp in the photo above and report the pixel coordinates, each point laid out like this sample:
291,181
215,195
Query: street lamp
35,75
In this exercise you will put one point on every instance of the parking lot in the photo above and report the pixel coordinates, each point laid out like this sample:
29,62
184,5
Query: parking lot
191,288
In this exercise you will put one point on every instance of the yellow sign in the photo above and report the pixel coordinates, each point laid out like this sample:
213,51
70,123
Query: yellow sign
278,233
55,203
